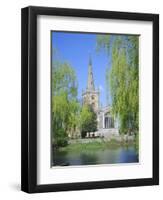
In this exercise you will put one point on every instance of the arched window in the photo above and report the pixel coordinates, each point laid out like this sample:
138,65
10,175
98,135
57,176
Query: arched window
106,122
111,122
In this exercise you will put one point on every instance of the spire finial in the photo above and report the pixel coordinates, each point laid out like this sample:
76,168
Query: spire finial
90,60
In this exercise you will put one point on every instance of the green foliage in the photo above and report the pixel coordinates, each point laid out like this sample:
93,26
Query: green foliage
64,80
88,120
123,79
65,107
103,42
68,117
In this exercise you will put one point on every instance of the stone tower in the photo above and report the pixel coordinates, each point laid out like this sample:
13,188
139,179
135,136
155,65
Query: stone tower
91,95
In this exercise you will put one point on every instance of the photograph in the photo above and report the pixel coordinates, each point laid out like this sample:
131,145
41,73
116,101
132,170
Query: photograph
94,98
89,99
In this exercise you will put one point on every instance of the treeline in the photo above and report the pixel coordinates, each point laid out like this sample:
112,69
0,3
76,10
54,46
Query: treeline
123,78
69,118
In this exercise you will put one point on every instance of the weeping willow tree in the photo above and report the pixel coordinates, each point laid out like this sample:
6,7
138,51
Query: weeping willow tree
65,107
123,78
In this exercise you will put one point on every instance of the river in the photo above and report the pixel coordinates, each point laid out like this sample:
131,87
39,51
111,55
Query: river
124,154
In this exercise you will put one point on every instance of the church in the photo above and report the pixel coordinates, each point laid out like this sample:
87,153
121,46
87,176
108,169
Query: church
106,124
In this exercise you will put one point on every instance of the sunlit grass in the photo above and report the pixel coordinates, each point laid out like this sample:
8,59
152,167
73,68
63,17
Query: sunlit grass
95,146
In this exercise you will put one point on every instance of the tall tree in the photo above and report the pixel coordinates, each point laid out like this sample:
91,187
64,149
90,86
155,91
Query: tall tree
64,102
123,78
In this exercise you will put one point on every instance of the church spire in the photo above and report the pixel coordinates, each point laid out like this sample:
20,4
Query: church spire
90,83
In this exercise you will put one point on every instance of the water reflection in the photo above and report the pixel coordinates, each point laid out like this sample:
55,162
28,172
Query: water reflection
106,156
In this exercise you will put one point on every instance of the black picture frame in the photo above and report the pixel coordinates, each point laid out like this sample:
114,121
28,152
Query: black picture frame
29,99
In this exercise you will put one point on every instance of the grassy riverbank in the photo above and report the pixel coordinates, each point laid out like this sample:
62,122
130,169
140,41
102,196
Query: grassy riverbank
95,145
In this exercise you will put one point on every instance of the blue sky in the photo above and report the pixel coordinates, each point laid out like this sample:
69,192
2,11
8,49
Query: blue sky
75,49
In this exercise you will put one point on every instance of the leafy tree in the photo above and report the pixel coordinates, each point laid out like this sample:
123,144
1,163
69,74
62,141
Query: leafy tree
74,119
88,120
64,102
123,78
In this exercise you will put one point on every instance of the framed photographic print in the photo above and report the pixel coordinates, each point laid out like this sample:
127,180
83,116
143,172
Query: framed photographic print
90,99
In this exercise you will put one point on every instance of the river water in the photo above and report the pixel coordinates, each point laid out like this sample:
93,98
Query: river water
107,156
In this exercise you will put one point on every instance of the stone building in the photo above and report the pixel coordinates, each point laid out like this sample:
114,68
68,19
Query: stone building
91,96
107,125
